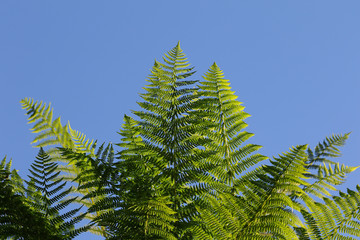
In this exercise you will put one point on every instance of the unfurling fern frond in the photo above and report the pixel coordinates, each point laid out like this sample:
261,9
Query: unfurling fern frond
46,195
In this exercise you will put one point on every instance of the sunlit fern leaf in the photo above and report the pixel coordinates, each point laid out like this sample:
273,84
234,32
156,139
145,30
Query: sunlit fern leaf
166,126
50,132
12,177
327,178
321,218
302,233
4,165
264,210
270,210
82,144
311,230
223,122
221,219
143,208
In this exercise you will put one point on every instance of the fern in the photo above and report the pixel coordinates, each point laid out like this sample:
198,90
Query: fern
334,218
12,175
17,219
168,135
325,150
81,143
51,200
223,123
264,209
143,206
128,211
327,173
52,134
185,170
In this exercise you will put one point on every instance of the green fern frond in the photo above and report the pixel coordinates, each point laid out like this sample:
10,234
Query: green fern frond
185,170
167,132
336,218
50,132
16,181
266,211
18,220
225,117
323,173
81,143
47,194
327,177
328,148
5,166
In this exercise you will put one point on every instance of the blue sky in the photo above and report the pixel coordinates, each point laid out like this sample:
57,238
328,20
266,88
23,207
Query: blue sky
294,65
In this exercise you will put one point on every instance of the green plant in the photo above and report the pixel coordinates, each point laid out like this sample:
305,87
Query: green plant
184,169
18,220
46,195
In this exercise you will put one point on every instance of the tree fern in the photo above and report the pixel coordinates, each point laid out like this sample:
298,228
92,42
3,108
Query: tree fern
136,212
223,123
184,170
334,218
15,180
165,126
328,148
323,171
325,217
52,196
52,134
144,207
264,209
17,219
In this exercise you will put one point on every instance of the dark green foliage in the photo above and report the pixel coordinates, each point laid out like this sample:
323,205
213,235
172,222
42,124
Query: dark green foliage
184,170
17,219
129,205
46,195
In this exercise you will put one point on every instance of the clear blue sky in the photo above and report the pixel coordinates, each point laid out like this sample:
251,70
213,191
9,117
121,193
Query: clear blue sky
294,64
